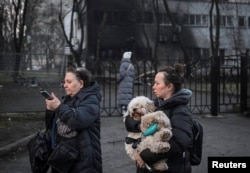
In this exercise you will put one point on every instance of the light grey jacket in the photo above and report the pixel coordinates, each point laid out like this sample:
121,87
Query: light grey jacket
125,88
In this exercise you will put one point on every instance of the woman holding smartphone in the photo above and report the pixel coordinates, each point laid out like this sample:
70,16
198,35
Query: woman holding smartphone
74,124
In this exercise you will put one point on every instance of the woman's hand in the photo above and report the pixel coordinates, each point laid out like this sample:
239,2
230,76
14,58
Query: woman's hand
139,162
54,103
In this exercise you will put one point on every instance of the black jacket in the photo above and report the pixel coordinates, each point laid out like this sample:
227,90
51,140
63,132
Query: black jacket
181,121
82,113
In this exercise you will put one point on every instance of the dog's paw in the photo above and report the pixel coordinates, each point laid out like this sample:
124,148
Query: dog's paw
164,147
166,135
161,165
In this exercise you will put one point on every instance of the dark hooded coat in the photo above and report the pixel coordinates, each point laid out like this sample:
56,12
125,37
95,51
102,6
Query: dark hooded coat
181,120
82,114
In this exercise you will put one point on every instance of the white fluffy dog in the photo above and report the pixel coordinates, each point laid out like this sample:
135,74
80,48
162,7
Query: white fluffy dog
158,142
138,107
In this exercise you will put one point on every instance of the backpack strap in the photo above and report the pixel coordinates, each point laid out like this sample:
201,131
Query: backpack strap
128,67
170,115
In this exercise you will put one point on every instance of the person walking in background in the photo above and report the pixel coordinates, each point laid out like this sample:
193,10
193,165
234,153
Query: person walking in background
74,125
126,82
172,98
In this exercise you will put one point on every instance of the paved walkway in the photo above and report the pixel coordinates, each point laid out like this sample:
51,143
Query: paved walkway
226,135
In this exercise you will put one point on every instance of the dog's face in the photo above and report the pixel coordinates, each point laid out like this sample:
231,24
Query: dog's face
140,106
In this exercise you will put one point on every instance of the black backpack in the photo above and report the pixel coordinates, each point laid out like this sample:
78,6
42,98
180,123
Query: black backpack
196,150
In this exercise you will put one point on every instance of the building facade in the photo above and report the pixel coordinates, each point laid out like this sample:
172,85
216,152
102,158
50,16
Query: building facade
113,27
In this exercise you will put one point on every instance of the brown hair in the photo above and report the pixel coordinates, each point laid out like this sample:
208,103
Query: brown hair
81,74
174,75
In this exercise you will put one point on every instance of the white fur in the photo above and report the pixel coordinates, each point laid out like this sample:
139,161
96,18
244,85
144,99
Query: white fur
139,105
158,142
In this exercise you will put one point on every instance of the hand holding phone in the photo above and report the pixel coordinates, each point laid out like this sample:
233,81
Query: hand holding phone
45,94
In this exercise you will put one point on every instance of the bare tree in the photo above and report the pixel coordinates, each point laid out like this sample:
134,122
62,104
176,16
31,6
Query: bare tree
156,11
78,11
99,35
20,9
2,27
177,32
214,40
143,26
16,26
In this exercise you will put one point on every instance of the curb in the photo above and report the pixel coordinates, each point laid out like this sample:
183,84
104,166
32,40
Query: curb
15,145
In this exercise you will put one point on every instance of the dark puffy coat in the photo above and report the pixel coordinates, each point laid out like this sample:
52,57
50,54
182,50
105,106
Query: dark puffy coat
125,89
181,121
82,113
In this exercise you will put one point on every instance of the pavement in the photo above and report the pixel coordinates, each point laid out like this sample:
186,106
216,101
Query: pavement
224,135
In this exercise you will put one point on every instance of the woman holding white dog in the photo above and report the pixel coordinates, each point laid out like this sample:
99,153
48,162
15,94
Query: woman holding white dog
172,98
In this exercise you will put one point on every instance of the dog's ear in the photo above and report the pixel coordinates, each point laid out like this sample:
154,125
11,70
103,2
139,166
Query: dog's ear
147,120
150,106
163,120
125,115
129,112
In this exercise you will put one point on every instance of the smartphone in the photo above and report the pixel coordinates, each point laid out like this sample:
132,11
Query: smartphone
45,94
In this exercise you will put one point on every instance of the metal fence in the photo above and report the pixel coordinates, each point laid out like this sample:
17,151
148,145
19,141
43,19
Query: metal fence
22,94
